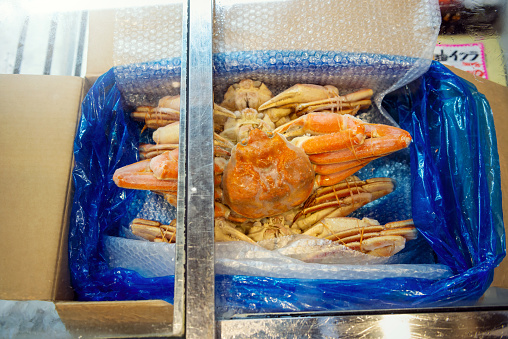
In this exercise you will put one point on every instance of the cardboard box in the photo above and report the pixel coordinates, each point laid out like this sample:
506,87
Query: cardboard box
38,119
38,122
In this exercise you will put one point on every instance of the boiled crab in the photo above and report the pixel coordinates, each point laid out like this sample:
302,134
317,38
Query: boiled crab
153,230
264,172
365,235
166,112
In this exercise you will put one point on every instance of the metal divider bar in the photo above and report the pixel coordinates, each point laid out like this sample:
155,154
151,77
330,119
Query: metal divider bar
181,215
478,324
200,291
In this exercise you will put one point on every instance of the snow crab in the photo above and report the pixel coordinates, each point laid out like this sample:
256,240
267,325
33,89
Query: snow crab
285,160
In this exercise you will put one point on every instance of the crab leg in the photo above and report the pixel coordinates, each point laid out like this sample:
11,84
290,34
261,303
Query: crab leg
342,199
325,143
149,151
340,208
337,104
157,174
167,111
371,148
332,179
155,117
299,93
319,124
225,231
171,198
341,166
221,146
304,98
366,235
153,230
379,187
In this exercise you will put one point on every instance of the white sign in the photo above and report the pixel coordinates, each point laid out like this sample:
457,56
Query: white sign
467,57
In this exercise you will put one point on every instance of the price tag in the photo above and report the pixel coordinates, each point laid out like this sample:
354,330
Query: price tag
467,57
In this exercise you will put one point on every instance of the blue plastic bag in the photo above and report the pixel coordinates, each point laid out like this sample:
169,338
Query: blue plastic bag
456,205
106,139
455,195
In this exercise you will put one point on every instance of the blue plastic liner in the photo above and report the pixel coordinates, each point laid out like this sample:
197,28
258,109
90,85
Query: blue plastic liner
106,139
456,203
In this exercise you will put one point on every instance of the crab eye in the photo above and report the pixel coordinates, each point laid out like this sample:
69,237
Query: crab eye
244,142
270,134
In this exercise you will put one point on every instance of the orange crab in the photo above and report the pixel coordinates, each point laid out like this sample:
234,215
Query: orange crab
267,175
264,171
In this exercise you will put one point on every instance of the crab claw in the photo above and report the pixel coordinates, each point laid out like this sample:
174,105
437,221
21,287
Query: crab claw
220,116
300,93
221,111
157,174
319,124
340,145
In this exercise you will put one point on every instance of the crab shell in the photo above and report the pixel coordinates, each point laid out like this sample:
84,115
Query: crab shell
266,176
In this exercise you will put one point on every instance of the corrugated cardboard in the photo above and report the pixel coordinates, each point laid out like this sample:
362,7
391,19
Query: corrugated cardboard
38,121
100,43
120,318
37,128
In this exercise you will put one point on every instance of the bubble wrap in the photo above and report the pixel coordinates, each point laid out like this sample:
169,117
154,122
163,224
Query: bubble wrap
240,258
147,258
351,44
360,33
288,257
406,28
143,35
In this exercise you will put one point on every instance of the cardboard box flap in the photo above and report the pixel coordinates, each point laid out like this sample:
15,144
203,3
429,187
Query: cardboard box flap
37,127
118,318
100,43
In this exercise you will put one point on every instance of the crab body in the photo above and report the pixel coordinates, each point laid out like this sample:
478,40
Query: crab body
266,176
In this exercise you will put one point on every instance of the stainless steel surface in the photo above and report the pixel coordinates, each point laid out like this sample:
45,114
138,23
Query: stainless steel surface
180,255
200,319
480,324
